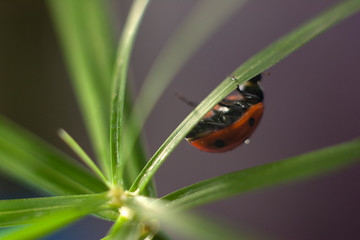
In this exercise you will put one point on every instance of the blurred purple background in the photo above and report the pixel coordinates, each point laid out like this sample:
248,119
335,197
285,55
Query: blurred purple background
311,100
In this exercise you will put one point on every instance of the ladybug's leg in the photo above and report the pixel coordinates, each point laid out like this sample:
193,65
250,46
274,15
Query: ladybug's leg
238,105
223,104
249,96
182,98
226,103
246,94
210,122
221,119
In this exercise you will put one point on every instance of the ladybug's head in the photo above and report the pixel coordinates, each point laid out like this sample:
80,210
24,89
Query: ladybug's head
256,79
251,89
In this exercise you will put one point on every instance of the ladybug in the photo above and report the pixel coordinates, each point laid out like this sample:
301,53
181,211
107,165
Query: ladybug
232,121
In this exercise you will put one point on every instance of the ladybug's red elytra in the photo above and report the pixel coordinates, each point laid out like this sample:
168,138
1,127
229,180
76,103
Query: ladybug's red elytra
230,122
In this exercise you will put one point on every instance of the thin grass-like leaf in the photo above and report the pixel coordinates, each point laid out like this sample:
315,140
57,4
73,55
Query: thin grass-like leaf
161,236
136,162
124,228
280,172
174,55
94,27
95,16
120,76
50,223
129,231
255,65
82,155
30,160
24,211
7,231
90,77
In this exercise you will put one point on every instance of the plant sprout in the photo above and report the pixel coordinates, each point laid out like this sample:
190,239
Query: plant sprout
118,185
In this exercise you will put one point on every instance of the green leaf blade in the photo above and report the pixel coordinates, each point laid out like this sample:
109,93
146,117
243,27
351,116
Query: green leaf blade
120,76
24,211
284,171
30,160
295,39
82,155
50,223
137,160
124,228
90,77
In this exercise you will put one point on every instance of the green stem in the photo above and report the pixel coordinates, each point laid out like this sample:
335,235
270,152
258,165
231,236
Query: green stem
119,86
82,155
118,225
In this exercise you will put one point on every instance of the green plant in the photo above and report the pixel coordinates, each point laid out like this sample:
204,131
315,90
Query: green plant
110,190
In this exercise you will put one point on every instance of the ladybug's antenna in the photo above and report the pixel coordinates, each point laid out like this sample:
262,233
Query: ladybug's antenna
267,73
182,98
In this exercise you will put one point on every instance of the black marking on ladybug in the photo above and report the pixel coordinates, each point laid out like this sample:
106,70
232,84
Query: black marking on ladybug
219,143
251,122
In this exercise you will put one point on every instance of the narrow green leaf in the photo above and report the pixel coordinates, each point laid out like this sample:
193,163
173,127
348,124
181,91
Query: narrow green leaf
161,236
124,228
255,65
136,162
7,231
95,17
119,87
23,211
82,155
89,64
183,223
284,171
295,39
34,162
205,18
50,223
